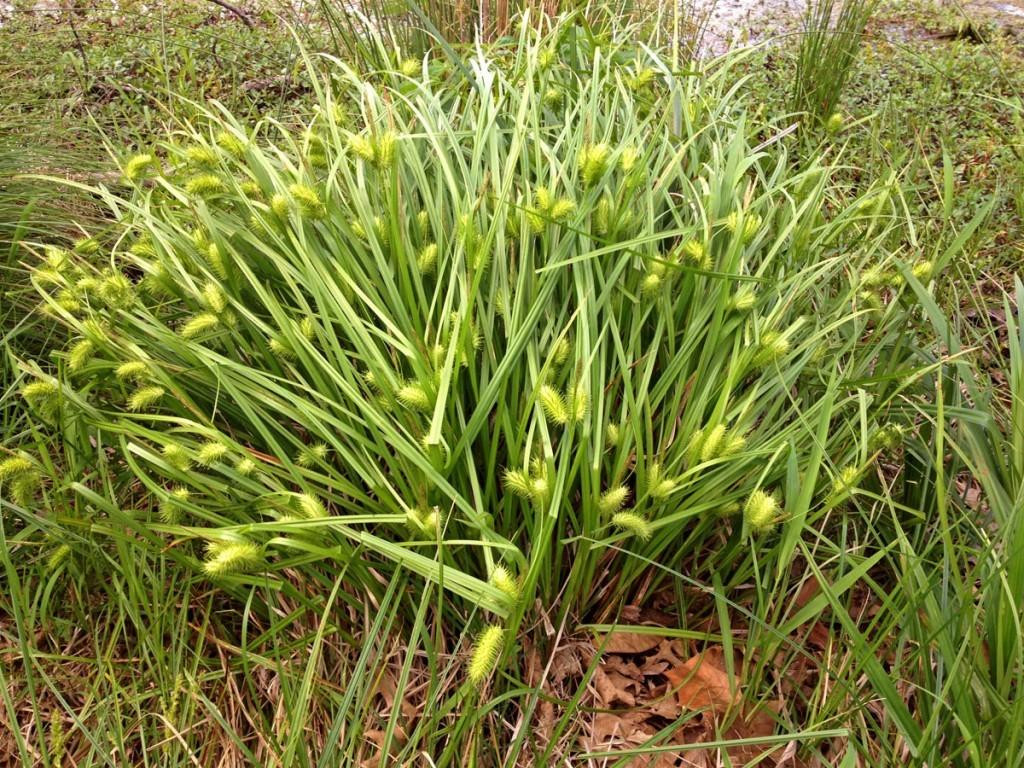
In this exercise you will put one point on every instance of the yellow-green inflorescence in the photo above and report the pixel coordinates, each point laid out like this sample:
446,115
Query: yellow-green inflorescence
485,653
761,511
229,557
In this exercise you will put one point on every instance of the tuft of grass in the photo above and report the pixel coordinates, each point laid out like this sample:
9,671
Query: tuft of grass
452,359
528,405
828,49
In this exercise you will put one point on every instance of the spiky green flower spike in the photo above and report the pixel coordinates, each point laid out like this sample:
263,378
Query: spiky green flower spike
410,67
922,270
695,254
211,452
553,404
503,579
773,347
743,300
145,397
231,144
311,455
15,466
761,512
593,162
613,500
415,397
80,355
845,481
485,653
227,557
203,185
307,201
199,325
633,524
659,486
138,165
133,370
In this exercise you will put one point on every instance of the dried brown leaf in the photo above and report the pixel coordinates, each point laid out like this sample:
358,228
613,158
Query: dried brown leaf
629,642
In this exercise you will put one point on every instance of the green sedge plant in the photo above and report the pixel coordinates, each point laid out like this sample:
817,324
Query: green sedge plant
531,330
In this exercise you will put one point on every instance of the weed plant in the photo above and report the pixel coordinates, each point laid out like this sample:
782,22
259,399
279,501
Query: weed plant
490,347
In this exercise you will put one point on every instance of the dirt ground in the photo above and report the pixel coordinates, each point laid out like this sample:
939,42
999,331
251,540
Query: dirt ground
731,22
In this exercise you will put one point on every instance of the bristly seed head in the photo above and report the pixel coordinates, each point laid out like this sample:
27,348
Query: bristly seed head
307,201
14,466
518,482
579,402
86,246
414,396
134,370
845,481
310,507
245,467
887,438
773,347
633,524
281,206
224,558
695,254
427,259
204,185
176,455
199,325
145,397
138,165
761,511
231,144
213,298
485,653
211,452
593,162
310,455
202,157
170,508
613,500
80,355
922,270
553,404
743,300
505,581
659,486
612,435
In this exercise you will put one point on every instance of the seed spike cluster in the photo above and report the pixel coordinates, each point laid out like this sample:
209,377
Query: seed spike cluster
274,278
177,456
613,500
634,524
138,166
134,370
553,404
211,452
503,579
311,455
144,398
761,511
659,486
310,507
485,653
232,557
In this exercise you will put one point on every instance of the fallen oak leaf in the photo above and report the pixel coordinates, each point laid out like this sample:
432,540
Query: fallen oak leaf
702,684
628,642
612,688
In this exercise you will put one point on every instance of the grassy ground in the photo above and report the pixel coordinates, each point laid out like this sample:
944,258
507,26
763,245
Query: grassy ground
934,87
894,639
